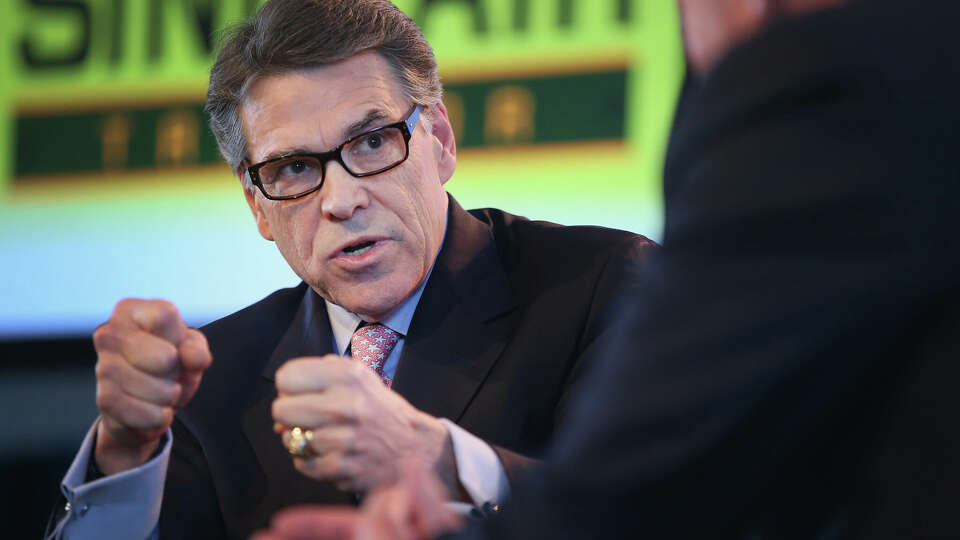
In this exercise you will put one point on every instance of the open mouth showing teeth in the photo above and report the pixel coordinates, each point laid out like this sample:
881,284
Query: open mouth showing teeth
358,249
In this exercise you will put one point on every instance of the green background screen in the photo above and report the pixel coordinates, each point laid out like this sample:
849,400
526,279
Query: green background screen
111,185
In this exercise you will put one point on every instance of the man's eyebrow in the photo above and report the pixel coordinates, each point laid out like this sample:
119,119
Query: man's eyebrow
287,152
373,116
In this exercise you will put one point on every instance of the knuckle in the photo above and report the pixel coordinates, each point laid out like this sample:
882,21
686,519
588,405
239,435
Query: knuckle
166,416
100,334
283,382
172,393
156,416
106,399
355,371
281,410
163,357
165,310
125,305
276,410
105,337
105,369
356,407
196,350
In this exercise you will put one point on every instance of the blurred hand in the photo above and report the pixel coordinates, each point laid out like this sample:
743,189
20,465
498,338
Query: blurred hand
361,429
149,364
412,509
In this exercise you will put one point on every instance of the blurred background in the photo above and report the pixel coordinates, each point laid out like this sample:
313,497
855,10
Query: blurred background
111,185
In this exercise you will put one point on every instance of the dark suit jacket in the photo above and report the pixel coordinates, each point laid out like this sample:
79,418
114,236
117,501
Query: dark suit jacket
798,353
495,345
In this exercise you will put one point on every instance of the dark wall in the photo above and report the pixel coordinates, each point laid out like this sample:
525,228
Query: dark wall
47,393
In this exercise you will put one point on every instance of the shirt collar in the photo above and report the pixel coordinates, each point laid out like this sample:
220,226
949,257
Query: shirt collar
344,323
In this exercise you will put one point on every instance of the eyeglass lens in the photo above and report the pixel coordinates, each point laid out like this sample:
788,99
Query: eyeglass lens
367,154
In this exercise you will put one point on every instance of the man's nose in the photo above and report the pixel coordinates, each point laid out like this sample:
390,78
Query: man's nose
342,194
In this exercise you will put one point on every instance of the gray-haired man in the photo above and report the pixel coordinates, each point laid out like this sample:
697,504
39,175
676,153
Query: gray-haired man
465,328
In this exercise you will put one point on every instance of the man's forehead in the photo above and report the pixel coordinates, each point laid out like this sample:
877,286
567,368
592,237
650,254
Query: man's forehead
331,102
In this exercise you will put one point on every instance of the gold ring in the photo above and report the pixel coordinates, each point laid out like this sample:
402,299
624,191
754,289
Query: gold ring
298,443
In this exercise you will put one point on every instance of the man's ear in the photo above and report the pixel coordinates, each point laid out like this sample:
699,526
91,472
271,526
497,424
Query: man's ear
254,202
447,149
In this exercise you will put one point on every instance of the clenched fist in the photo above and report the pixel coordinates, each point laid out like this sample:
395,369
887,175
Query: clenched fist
361,429
149,364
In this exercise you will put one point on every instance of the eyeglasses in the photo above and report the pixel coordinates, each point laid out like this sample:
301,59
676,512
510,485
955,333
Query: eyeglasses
291,176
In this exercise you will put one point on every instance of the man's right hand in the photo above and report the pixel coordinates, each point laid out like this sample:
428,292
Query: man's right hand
149,364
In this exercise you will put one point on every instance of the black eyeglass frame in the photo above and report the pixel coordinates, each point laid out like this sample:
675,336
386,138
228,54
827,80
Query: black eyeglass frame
406,127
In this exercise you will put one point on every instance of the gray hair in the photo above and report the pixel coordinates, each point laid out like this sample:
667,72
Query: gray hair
292,35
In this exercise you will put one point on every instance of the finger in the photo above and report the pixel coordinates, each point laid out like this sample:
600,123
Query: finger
189,381
388,510
323,441
160,318
314,374
130,412
332,466
136,383
334,439
266,535
398,515
150,354
143,350
195,358
106,337
194,351
316,410
316,523
426,495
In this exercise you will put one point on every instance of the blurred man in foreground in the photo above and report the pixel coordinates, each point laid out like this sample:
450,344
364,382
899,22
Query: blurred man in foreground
466,330
793,375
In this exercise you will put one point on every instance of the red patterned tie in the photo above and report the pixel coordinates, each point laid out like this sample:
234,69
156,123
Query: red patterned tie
372,345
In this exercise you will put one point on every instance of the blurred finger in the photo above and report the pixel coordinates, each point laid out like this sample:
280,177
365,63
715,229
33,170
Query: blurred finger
387,511
160,318
428,514
316,523
150,354
332,466
315,410
131,412
136,383
315,374
194,351
333,439
266,535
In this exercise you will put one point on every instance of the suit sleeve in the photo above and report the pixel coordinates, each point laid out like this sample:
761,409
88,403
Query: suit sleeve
127,503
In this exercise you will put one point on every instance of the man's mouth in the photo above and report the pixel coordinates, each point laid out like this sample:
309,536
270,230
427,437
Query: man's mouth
358,248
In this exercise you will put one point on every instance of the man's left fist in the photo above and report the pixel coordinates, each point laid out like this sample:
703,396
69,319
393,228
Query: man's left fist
361,429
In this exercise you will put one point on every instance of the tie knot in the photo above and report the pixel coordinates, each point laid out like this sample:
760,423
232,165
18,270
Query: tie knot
372,344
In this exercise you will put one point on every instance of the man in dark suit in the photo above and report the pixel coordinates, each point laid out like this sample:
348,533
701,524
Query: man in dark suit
466,328
795,359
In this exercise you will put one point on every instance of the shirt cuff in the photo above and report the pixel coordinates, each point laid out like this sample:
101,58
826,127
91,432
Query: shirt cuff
478,468
127,504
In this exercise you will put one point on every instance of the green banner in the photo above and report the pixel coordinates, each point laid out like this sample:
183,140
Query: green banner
92,90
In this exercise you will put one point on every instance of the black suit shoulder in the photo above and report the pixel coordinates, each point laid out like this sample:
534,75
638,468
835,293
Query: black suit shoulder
248,325
538,255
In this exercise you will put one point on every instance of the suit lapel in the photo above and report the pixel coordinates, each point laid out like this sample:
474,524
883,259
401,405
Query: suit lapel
461,324
308,335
